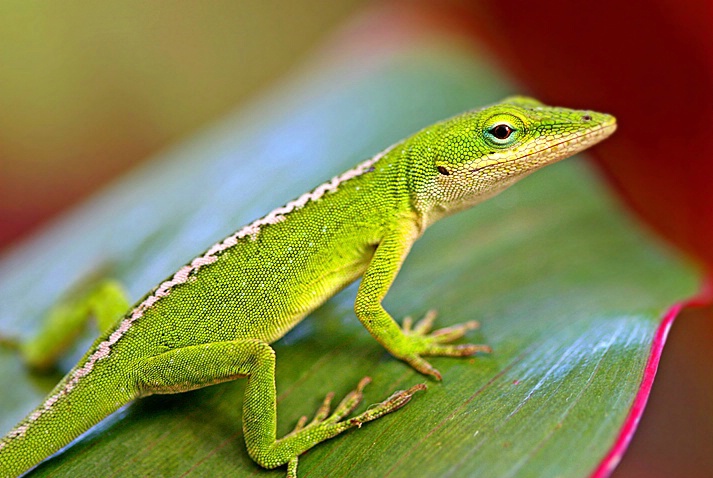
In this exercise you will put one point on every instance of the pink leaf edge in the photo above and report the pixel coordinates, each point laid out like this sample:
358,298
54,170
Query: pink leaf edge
613,457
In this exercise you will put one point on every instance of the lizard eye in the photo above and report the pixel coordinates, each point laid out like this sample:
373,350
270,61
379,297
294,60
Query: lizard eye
501,131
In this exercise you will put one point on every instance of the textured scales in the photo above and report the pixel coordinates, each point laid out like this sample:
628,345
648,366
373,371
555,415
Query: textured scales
182,276
214,319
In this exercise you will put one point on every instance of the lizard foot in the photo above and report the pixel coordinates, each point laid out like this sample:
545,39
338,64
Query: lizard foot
427,343
335,421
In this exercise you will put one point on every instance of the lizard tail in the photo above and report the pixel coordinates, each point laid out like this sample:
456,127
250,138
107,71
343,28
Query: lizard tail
72,408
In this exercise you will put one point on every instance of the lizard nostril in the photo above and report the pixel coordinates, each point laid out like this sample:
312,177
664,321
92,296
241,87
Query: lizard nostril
586,118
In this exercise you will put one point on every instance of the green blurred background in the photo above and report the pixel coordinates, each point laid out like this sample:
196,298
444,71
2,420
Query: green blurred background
89,88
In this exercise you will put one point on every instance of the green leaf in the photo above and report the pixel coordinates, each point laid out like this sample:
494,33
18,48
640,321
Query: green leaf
568,291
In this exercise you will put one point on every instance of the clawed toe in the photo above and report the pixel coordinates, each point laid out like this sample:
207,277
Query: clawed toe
447,334
351,401
397,400
424,325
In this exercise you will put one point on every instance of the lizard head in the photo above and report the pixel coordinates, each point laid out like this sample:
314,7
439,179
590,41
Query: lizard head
473,156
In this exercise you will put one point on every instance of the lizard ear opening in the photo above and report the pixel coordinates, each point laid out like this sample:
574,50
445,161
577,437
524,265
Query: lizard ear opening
443,170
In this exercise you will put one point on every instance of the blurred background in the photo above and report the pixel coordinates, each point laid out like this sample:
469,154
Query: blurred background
90,89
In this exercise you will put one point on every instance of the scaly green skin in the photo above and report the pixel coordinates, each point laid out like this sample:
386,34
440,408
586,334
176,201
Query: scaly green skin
214,319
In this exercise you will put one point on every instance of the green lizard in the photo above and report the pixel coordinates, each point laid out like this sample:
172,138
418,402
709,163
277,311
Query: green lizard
213,320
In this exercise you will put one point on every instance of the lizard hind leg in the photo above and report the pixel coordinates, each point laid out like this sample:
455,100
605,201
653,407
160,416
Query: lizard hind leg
104,300
206,364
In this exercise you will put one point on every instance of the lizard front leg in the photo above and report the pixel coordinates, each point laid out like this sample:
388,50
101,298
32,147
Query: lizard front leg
409,344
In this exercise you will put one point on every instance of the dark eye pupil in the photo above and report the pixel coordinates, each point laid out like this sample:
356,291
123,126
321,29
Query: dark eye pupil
501,131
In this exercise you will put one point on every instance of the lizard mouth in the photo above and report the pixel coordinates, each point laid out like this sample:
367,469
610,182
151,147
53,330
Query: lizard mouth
603,131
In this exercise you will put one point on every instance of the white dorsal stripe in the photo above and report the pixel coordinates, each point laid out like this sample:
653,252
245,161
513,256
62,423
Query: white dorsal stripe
184,273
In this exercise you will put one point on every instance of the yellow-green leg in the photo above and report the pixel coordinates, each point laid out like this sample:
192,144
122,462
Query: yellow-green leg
104,301
200,365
